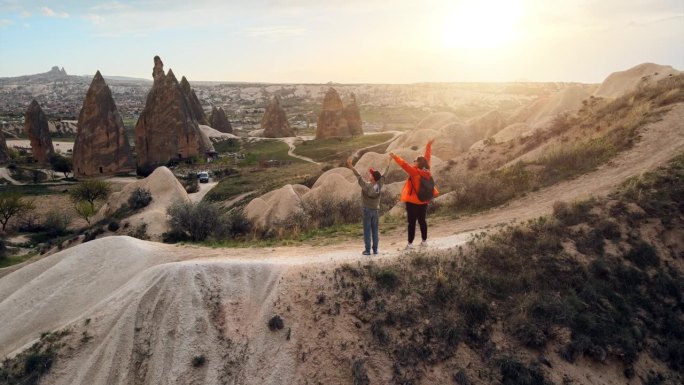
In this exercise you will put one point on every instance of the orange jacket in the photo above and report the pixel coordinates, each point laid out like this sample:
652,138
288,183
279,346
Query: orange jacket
410,191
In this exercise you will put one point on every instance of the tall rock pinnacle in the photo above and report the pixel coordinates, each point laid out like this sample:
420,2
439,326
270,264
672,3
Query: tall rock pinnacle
101,145
274,122
36,128
219,121
166,128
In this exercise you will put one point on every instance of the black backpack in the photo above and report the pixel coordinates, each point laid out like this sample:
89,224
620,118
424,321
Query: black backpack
426,189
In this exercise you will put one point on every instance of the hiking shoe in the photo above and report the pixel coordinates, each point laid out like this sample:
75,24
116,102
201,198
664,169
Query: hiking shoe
424,244
375,252
366,252
409,246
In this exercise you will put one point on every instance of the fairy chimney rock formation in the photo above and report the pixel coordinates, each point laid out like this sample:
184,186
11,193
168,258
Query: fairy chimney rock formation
101,145
36,128
166,128
193,102
158,70
353,117
4,152
274,122
219,121
336,120
331,121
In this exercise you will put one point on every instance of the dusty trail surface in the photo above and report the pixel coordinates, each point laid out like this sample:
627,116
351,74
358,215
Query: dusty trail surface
140,312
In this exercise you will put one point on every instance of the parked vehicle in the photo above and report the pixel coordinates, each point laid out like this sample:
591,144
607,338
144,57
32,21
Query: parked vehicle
203,176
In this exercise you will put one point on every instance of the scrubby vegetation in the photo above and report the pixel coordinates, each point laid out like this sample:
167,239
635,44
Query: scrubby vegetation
598,279
199,221
610,126
32,364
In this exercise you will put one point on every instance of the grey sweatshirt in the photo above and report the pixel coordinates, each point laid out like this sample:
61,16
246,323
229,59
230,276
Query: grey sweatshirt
370,192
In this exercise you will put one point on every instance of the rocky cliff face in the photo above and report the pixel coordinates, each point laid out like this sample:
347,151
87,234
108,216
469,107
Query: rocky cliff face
101,145
353,117
219,121
166,128
4,153
332,120
36,128
274,122
193,102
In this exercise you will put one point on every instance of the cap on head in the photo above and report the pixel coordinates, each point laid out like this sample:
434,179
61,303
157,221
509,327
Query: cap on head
376,174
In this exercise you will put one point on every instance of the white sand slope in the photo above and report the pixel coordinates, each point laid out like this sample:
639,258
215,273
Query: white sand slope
619,83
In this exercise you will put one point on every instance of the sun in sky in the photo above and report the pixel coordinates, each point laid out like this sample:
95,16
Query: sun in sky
485,24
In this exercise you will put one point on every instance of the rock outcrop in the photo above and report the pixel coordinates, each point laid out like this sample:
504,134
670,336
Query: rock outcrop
353,117
332,120
193,102
166,128
36,128
621,82
101,145
4,152
274,122
219,121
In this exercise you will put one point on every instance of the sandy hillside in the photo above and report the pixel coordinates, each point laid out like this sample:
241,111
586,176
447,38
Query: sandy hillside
619,83
165,190
152,307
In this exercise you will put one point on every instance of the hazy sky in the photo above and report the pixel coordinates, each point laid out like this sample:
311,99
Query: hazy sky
350,41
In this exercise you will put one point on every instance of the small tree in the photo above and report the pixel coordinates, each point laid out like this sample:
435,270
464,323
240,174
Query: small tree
61,164
12,204
86,194
90,191
85,210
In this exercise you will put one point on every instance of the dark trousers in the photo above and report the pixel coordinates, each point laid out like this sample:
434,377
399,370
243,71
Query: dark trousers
415,213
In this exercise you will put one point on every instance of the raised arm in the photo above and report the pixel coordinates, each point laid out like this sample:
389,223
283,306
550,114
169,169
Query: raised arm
402,163
428,151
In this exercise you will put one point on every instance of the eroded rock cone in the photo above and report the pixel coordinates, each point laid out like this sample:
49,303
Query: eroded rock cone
36,128
219,121
193,102
4,152
274,122
331,121
101,145
166,128
353,117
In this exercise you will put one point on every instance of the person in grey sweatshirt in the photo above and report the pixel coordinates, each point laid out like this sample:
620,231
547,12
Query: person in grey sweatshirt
370,195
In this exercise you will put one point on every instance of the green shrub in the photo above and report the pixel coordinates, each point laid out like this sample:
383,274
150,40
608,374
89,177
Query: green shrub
198,361
113,226
196,220
387,279
139,198
276,323
643,255
57,221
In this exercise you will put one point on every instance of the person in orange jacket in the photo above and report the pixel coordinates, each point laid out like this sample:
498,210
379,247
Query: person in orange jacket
416,210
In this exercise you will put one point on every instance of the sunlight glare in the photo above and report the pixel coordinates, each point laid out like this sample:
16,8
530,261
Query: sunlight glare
482,24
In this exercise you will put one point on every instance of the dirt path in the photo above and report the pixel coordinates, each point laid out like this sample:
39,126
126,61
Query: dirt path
290,141
204,188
